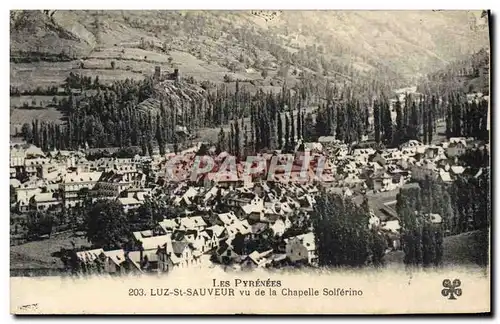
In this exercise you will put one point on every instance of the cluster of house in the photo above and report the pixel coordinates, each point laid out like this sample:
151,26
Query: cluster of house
224,217
219,226
64,178
42,180
361,169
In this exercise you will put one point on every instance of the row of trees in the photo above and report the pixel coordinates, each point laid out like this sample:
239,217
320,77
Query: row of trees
38,91
467,117
415,118
267,131
346,119
268,127
415,114
46,135
342,116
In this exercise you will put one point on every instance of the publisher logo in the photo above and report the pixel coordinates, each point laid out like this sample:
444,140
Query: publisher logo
451,289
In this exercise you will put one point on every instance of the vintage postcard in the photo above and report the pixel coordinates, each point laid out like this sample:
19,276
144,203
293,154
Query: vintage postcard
250,162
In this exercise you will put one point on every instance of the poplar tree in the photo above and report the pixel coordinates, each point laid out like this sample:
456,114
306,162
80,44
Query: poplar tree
287,133
376,120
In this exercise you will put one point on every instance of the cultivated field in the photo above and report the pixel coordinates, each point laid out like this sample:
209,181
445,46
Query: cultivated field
19,116
29,76
132,63
25,109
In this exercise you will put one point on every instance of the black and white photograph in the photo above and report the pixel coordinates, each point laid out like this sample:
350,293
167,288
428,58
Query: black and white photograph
256,162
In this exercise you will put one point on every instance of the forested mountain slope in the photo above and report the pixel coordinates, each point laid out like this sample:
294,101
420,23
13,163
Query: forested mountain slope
470,75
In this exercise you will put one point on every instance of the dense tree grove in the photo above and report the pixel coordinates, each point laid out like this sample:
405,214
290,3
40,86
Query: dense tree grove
415,118
471,202
106,225
462,206
342,234
147,215
111,118
421,238
39,224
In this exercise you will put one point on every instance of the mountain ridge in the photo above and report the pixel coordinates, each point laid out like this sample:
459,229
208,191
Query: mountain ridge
399,45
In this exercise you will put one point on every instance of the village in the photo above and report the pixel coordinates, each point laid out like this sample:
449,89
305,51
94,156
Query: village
243,222
273,161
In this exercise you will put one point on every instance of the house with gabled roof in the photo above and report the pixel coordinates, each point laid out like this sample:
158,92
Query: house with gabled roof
193,223
196,238
90,261
146,260
74,182
457,169
238,227
152,242
227,254
391,225
445,176
235,199
280,226
257,229
167,226
139,235
288,204
257,259
217,234
113,261
210,194
302,248
89,255
225,219
176,254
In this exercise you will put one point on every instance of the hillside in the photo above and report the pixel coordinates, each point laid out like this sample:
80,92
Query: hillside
175,94
207,45
470,75
464,249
